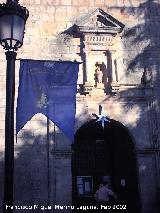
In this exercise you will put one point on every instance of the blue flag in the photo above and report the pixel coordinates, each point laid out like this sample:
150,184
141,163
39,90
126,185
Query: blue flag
48,87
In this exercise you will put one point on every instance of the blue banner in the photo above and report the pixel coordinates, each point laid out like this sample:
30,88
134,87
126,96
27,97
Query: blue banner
48,87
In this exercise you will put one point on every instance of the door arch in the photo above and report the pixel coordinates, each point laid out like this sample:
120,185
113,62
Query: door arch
105,153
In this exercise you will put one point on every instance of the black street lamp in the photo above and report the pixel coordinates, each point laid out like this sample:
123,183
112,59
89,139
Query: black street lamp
12,25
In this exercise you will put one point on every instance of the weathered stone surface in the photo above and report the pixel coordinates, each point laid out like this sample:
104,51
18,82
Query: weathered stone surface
66,2
43,159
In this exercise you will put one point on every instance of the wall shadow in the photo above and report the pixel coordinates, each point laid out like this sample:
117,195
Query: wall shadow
144,37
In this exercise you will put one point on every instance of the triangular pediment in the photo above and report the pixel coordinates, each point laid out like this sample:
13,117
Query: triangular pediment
99,21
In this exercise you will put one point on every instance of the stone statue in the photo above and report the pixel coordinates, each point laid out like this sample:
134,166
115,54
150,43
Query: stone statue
147,77
98,75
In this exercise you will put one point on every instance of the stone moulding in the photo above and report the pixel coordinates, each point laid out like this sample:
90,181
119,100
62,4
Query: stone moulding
100,22
61,153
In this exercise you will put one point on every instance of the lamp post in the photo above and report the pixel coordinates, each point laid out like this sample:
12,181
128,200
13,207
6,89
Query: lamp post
12,25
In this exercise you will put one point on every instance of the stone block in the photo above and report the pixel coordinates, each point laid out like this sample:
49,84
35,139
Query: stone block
28,2
2,125
99,2
111,3
147,178
82,10
48,17
51,2
49,28
121,3
61,14
2,117
91,3
51,9
71,11
66,2
79,3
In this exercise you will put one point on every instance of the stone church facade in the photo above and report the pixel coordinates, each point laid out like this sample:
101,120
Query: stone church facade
117,46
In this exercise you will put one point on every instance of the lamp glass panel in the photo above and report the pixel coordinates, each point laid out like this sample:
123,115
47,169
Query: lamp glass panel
18,28
12,27
5,27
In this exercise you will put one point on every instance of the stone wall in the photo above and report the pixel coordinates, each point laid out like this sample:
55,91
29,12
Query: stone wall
42,152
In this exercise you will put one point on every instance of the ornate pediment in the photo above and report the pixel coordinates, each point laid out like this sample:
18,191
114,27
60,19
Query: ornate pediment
99,22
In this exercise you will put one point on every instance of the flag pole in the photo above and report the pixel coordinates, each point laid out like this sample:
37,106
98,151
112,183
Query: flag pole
48,161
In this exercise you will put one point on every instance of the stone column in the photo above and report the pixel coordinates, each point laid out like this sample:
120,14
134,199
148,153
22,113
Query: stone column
86,67
114,80
88,84
114,66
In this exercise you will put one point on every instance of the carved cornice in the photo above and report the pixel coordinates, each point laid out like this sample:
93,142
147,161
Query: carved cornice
135,91
125,91
148,151
94,39
99,22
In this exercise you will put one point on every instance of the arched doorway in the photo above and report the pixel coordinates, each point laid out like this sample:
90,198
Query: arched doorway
105,153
